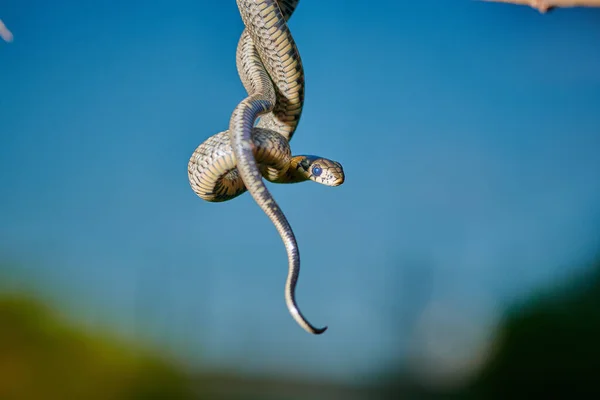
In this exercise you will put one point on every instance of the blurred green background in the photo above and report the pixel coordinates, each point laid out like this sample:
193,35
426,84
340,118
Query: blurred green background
546,346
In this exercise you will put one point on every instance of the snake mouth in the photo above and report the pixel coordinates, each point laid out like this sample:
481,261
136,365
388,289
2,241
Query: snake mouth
338,181
332,177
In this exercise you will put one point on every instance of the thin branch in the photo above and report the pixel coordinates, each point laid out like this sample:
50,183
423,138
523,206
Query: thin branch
544,6
5,33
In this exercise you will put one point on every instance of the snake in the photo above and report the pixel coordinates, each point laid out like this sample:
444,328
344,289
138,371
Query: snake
234,161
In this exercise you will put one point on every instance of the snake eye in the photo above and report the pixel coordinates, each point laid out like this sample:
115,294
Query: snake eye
317,170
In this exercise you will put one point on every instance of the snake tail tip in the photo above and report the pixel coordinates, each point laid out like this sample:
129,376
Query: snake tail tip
318,331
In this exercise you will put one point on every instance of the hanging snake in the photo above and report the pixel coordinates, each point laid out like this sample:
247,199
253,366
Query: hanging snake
234,161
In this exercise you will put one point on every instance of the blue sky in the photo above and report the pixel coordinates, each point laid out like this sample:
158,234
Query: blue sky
468,132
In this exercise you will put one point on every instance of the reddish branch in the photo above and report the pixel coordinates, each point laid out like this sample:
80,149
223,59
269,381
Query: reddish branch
5,33
544,6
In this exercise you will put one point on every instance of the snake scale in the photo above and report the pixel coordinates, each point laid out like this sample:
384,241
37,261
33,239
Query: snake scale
234,161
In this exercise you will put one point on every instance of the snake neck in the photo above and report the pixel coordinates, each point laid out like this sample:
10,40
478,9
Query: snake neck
293,174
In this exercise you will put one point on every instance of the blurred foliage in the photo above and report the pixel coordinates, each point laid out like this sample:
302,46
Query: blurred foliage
43,357
548,347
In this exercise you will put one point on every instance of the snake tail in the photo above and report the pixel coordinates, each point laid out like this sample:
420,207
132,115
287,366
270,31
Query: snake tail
240,128
276,90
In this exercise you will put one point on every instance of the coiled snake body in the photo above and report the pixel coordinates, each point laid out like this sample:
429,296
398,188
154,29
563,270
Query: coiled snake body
231,162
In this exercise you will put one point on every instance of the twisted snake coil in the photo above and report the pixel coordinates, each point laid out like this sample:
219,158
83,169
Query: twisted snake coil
231,162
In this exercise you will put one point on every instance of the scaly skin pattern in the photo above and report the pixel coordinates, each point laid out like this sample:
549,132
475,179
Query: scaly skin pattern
269,32
286,113
234,161
214,176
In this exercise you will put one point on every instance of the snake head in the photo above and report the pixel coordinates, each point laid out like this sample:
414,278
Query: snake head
321,170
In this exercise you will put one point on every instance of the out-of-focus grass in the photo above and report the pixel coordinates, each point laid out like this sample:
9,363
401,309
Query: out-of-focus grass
547,346
43,357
